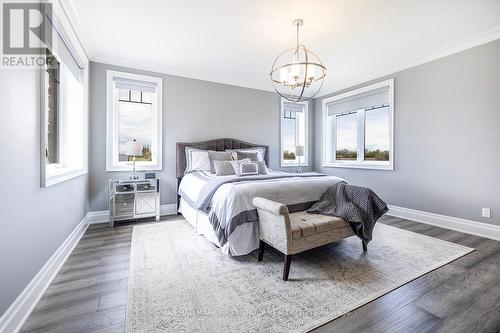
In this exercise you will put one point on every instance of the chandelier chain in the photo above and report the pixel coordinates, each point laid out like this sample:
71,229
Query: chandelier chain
298,27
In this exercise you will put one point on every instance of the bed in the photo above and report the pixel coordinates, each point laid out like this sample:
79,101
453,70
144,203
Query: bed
220,207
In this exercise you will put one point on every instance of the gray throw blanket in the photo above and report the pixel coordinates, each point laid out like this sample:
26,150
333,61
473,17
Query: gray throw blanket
359,206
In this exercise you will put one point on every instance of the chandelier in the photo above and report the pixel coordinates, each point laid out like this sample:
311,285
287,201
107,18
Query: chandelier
297,73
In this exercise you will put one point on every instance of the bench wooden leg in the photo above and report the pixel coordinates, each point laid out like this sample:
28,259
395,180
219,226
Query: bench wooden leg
365,248
262,245
286,267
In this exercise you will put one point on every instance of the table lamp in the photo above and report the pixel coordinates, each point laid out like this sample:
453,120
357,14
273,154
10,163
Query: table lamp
133,148
299,152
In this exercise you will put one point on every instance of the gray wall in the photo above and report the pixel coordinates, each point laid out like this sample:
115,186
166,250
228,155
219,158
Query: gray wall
193,110
35,221
447,136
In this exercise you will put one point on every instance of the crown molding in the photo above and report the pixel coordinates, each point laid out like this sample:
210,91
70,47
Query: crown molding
463,45
169,70
73,22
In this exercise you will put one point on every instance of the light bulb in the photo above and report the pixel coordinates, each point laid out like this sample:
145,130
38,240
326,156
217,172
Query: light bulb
295,68
295,71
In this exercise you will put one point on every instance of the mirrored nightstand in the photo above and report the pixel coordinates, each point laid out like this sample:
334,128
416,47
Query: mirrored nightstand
133,199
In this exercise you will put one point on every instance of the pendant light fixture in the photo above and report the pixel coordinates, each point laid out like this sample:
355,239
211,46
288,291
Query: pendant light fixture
297,73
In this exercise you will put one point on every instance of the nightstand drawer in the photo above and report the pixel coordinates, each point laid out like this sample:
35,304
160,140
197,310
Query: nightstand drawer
124,188
145,187
124,204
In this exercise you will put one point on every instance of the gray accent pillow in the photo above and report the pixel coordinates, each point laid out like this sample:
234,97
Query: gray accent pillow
241,168
261,151
217,156
223,168
248,169
254,157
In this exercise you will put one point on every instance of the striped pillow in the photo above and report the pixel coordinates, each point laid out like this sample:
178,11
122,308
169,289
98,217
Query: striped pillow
196,159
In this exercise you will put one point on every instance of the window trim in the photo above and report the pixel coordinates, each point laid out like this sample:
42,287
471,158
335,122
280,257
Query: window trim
54,173
305,163
360,163
111,129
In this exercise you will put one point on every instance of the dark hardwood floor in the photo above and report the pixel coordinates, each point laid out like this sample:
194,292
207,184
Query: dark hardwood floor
89,294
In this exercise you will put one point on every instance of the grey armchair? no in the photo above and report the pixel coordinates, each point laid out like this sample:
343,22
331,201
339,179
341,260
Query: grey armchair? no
292,233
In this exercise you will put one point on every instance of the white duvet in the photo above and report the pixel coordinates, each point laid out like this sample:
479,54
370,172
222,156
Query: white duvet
230,208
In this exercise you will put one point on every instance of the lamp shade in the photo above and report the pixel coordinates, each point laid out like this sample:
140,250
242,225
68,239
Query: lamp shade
133,148
299,150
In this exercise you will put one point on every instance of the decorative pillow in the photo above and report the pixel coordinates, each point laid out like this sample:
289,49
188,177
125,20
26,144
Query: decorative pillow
218,156
261,151
248,169
262,167
224,168
254,157
243,167
196,159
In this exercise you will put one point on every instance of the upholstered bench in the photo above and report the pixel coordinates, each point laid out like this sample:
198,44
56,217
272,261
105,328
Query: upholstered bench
292,233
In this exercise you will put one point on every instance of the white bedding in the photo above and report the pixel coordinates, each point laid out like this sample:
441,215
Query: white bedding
243,241
231,219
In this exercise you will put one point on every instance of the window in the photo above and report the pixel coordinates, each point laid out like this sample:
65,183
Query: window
293,133
134,113
358,128
63,118
52,110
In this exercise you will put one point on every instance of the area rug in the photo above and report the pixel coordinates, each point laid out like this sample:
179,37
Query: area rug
180,282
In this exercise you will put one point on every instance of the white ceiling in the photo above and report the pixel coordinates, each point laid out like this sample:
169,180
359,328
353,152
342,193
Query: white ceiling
236,41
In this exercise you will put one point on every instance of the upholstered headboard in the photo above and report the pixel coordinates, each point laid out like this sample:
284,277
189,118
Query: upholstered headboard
214,144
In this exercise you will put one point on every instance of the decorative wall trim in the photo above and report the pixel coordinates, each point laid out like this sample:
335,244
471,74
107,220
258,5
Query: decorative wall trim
15,316
453,223
115,60
98,217
465,44
103,215
170,209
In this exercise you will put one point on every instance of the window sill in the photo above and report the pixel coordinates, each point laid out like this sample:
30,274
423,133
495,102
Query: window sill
369,166
59,175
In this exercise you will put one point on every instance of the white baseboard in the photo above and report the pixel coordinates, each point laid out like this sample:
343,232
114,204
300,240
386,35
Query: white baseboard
103,215
98,217
170,209
15,316
448,222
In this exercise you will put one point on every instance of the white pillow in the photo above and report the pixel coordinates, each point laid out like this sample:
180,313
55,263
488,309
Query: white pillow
261,152
196,159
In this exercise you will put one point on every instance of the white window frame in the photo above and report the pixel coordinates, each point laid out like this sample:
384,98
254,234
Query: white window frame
360,163
112,163
54,173
305,160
